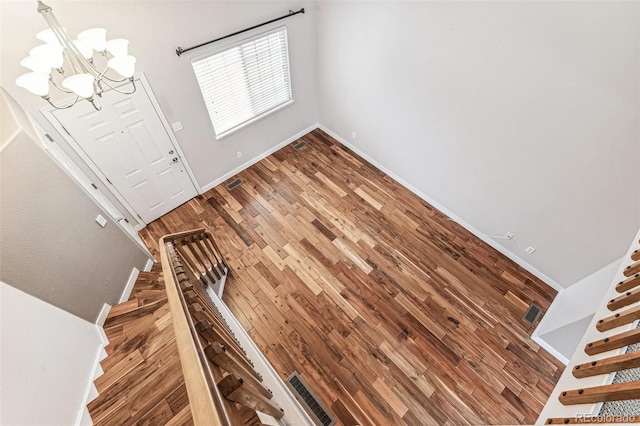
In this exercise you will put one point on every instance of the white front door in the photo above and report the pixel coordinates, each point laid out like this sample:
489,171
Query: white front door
130,146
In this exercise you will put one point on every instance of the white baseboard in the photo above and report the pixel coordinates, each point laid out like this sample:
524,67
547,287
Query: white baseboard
90,393
543,344
149,265
102,316
256,159
484,237
129,286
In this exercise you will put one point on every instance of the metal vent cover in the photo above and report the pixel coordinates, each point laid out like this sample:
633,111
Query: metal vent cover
234,184
300,145
310,401
533,313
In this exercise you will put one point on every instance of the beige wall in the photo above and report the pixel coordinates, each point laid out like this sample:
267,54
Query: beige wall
519,117
50,245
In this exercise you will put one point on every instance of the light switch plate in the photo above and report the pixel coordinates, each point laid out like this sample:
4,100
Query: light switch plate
101,220
177,126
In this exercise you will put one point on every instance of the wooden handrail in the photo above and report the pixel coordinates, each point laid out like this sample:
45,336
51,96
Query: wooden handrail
210,355
205,400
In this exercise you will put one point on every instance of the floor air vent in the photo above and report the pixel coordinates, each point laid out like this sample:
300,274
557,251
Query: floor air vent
307,397
532,314
301,145
234,183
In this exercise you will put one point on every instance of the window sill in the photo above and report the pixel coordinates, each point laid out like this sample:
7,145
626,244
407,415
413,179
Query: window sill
253,120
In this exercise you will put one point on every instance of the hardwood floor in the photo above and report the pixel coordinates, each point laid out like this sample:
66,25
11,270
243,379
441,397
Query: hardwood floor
390,311
142,382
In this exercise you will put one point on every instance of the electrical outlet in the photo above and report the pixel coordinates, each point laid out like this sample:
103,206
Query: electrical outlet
239,154
508,236
353,135
530,250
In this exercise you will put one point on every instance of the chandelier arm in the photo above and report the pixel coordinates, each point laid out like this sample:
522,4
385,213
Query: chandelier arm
103,75
97,106
120,91
48,99
54,84
112,80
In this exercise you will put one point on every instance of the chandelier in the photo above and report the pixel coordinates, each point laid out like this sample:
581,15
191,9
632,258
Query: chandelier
73,63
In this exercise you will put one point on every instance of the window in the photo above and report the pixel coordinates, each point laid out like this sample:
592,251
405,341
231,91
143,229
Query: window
245,82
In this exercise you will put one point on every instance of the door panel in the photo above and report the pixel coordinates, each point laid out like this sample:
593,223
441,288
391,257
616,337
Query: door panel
128,143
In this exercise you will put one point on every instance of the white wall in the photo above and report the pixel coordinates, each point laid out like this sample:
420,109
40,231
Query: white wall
155,29
48,357
568,317
516,116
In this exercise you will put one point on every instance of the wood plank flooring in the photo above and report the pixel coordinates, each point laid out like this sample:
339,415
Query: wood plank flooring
391,312
142,382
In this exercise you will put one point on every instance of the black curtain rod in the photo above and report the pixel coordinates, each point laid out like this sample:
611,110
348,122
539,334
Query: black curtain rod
180,50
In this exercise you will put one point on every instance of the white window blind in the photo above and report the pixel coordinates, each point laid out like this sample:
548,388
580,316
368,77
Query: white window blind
246,81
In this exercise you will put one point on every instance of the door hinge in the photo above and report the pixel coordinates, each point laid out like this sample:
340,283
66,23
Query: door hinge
108,180
65,129
139,217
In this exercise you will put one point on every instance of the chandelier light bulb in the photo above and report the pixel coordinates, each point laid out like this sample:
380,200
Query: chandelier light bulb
118,46
94,37
123,65
49,37
80,84
50,54
36,64
84,49
35,82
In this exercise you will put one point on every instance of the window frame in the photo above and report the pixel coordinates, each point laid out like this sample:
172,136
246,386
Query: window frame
231,44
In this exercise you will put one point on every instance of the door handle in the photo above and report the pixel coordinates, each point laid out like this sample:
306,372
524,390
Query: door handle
174,160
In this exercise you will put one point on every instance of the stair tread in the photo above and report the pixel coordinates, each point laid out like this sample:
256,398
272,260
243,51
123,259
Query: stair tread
128,383
147,341
146,296
117,371
142,381
133,314
123,307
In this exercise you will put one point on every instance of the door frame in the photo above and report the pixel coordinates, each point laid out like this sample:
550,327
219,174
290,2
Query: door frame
76,174
142,84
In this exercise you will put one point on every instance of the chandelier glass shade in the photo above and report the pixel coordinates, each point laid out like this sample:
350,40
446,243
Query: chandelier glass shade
70,66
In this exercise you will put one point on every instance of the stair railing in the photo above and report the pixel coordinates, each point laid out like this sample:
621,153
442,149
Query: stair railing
222,385
587,381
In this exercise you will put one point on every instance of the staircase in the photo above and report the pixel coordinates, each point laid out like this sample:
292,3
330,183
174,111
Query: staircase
142,381
177,355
